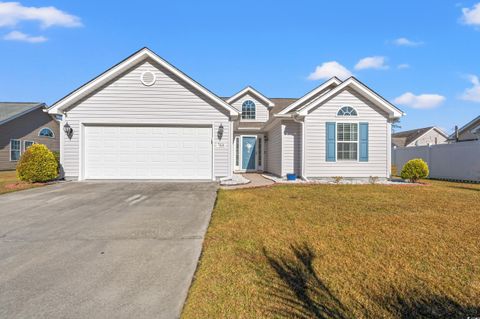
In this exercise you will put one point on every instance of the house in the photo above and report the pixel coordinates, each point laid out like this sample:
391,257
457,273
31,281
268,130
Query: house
21,125
468,132
145,119
419,137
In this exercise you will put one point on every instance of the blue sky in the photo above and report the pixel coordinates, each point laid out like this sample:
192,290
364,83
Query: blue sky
421,55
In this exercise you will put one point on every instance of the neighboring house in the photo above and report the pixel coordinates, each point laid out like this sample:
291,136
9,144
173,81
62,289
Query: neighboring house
418,137
145,119
468,132
21,125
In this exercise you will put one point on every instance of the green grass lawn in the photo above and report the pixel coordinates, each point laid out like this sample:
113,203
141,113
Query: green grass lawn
341,251
10,183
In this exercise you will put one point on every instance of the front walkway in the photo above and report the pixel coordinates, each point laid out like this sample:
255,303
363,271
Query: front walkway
256,180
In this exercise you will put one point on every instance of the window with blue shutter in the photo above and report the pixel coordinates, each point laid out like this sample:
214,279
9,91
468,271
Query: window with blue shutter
363,141
330,141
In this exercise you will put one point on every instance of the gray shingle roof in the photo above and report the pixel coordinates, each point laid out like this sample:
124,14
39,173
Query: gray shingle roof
402,139
11,110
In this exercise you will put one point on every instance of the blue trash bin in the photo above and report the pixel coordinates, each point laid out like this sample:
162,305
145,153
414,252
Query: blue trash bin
291,177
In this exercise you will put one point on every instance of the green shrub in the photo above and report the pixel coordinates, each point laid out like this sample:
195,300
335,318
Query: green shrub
37,164
414,169
57,158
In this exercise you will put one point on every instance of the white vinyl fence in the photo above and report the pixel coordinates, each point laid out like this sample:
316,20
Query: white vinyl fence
456,161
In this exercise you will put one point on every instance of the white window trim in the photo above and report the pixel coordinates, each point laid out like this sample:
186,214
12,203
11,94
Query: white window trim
347,116
357,142
237,152
248,120
47,129
10,149
24,142
239,139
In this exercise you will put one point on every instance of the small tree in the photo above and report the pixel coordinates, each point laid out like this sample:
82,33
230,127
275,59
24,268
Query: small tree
37,164
414,170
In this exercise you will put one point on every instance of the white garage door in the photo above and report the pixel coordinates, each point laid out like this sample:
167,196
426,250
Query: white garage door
160,152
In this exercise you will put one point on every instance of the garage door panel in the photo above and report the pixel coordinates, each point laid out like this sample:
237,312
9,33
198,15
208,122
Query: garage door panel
160,152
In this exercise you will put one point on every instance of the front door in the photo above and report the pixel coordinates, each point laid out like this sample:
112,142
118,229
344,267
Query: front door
248,152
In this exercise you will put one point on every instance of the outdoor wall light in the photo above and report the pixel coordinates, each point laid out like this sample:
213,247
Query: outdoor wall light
220,131
68,130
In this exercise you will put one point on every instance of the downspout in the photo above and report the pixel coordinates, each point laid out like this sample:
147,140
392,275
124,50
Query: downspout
302,124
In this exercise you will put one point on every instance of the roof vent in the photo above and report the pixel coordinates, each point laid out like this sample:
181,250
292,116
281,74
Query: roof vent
148,78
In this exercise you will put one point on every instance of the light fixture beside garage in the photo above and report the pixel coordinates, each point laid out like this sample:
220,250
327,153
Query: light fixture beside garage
68,130
148,78
220,131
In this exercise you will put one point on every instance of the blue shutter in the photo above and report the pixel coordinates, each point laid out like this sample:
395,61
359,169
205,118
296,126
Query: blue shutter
363,142
330,141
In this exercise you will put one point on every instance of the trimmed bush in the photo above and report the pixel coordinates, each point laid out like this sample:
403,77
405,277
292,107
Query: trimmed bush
57,158
414,170
37,164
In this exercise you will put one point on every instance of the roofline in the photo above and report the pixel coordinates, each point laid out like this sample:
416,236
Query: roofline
254,91
460,130
124,65
36,107
431,128
324,85
397,113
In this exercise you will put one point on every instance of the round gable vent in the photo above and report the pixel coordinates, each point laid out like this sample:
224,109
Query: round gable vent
148,78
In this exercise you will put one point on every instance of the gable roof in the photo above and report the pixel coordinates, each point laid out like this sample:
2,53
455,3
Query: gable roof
11,110
332,82
250,89
405,138
132,60
475,121
361,88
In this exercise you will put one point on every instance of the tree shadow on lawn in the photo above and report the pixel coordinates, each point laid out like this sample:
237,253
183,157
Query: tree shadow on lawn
466,188
296,291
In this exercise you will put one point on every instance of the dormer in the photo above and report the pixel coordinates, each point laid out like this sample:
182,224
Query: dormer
253,106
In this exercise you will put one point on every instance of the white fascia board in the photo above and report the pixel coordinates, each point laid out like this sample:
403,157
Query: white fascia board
361,88
463,128
141,55
333,81
255,92
434,128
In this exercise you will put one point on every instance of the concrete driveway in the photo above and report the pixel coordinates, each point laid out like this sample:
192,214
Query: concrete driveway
101,249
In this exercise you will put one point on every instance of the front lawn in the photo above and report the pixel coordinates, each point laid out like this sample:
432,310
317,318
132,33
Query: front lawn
10,183
341,251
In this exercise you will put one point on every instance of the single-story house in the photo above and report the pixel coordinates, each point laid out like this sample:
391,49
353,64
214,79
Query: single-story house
419,137
468,132
145,119
21,125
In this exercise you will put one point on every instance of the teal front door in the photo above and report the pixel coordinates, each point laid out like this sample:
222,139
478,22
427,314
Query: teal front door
248,152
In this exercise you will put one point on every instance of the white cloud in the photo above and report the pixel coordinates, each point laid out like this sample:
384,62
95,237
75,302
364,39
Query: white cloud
11,13
471,16
371,62
328,70
473,93
422,101
406,42
403,66
20,36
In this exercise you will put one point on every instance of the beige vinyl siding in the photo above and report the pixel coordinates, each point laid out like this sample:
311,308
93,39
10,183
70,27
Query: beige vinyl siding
274,150
26,128
429,138
291,147
126,100
261,108
315,163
